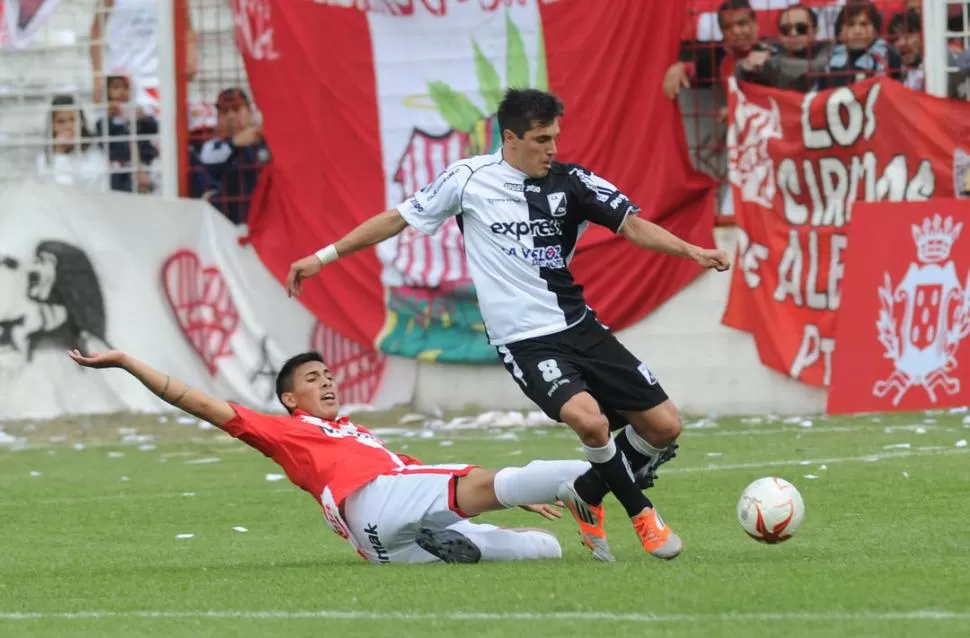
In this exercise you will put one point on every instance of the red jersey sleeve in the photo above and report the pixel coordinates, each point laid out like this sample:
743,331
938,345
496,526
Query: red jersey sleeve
260,431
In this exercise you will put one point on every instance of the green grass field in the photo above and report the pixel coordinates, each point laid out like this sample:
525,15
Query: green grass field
90,547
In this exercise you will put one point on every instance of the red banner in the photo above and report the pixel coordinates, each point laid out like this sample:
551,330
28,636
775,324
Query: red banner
798,164
906,309
350,138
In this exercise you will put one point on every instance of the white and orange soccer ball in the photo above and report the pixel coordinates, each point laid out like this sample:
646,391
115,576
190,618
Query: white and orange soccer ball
770,510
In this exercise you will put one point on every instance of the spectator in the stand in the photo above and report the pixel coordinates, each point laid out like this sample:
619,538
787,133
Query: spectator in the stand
860,52
71,156
115,134
236,156
906,31
799,62
124,39
740,39
202,127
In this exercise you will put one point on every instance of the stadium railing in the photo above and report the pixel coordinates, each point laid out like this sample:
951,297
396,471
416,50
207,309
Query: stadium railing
57,62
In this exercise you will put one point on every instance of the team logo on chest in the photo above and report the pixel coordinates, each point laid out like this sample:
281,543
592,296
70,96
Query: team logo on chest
557,204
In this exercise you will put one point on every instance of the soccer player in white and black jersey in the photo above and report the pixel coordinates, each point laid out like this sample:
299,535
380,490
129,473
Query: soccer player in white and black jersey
521,214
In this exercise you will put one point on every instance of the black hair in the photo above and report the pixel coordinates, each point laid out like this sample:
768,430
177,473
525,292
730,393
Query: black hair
812,16
733,5
521,109
76,287
284,379
906,22
57,104
854,8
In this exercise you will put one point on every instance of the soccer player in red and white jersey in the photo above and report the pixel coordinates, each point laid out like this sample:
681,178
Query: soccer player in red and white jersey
390,507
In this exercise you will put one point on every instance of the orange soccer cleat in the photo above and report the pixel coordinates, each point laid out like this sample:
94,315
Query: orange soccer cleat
658,539
591,519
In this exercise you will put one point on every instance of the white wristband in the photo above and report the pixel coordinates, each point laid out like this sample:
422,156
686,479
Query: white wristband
328,254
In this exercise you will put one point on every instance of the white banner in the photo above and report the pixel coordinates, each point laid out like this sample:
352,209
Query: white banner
167,282
20,20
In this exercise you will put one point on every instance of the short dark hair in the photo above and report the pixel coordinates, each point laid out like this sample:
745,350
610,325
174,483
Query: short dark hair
906,22
854,8
734,5
812,16
521,109
284,379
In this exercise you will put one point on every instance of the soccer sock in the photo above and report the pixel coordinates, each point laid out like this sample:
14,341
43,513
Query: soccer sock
535,483
593,489
612,466
497,543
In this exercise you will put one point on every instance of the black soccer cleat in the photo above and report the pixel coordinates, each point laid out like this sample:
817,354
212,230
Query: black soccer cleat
448,545
648,475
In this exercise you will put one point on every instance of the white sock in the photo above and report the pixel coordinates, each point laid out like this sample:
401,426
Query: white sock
500,544
535,483
600,454
640,444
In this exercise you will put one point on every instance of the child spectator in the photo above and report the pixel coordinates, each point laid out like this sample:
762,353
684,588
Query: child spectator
236,155
115,133
72,157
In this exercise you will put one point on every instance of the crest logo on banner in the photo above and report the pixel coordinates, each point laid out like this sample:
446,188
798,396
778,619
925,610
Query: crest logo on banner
750,166
200,299
922,336
429,314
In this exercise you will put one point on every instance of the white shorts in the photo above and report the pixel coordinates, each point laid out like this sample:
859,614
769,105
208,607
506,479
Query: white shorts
385,515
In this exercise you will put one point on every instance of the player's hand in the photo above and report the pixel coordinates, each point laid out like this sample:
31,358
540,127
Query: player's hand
546,511
712,258
300,270
109,359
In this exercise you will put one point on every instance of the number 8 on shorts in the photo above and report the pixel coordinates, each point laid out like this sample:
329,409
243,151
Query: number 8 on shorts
550,370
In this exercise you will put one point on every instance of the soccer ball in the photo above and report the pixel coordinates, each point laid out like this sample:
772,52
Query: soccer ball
770,510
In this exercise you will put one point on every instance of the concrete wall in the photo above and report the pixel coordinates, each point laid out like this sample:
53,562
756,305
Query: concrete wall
704,366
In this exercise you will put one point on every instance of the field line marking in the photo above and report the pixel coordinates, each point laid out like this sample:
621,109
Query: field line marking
458,616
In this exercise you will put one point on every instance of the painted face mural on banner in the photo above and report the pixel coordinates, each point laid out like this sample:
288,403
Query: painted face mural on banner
61,306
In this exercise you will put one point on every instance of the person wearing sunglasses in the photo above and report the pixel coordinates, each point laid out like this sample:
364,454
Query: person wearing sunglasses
801,58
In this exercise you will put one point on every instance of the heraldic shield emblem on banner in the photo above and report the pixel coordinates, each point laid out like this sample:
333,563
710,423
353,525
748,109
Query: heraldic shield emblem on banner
925,317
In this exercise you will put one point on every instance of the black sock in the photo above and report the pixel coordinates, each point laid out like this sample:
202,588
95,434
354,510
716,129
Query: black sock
610,463
592,486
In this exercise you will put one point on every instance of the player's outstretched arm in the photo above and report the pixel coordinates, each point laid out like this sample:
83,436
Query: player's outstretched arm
646,234
174,392
373,231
